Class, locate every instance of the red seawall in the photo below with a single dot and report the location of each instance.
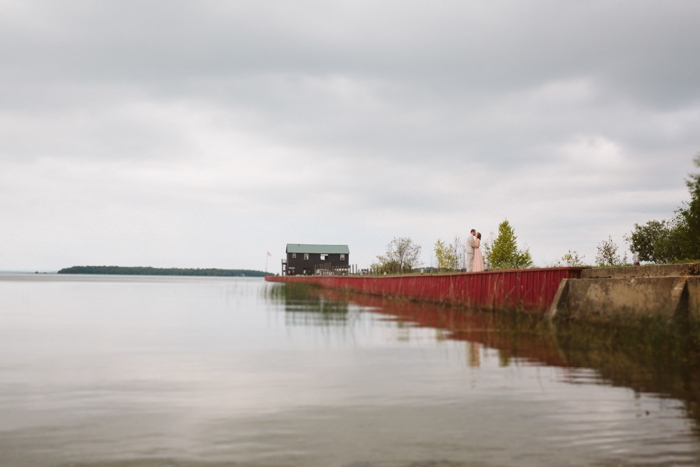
(526, 289)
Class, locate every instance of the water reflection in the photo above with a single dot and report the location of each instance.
(310, 306)
(473, 355)
(227, 371)
(649, 357)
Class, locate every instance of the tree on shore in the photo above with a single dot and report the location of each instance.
(402, 255)
(674, 240)
(689, 228)
(572, 258)
(607, 254)
(446, 254)
(503, 253)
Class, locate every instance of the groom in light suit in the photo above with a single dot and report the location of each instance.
(471, 242)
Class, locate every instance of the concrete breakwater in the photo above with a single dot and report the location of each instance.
(667, 291)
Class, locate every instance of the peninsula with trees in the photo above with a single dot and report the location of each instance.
(149, 271)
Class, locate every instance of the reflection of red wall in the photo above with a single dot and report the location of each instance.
(619, 358)
(493, 330)
(528, 289)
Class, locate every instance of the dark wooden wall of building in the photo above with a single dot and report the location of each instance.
(301, 265)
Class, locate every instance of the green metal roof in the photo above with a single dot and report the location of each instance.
(317, 249)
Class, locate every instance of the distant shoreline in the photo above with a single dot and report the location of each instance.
(149, 271)
(8, 272)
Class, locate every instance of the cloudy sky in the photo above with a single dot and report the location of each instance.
(205, 134)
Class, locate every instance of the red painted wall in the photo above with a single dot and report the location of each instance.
(526, 289)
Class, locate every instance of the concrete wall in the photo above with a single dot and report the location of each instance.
(694, 298)
(652, 270)
(592, 299)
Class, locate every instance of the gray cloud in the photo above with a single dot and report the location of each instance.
(194, 128)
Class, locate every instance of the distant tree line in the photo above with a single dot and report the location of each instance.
(149, 271)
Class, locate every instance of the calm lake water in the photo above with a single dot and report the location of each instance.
(119, 370)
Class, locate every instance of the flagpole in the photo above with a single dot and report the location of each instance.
(266, 260)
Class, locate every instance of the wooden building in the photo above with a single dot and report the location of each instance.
(307, 260)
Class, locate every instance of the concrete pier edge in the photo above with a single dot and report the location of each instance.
(669, 292)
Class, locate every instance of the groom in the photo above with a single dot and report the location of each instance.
(471, 242)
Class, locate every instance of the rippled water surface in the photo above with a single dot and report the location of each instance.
(220, 371)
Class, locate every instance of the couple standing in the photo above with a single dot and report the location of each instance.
(475, 260)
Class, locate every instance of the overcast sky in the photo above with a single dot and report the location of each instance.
(205, 134)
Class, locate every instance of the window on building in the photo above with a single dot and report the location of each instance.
(323, 257)
(294, 255)
(342, 257)
(306, 256)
